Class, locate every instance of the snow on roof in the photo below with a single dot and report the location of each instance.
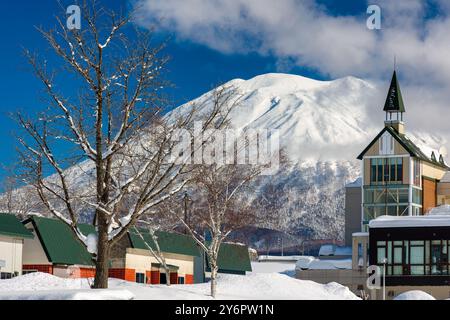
(311, 263)
(445, 178)
(333, 250)
(355, 184)
(327, 250)
(360, 234)
(432, 220)
(278, 258)
(443, 210)
(423, 140)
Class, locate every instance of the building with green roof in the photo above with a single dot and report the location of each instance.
(184, 251)
(56, 250)
(12, 236)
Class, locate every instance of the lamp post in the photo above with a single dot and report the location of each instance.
(384, 278)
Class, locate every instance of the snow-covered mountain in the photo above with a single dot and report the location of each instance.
(323, 126)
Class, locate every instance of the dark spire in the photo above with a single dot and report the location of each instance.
(394, 100)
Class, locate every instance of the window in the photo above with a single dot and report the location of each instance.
(385, 200)
(140, 278)
(180, 280)
(415, 258)
(381, 255)
(417, 196)
(416, 173)
(162, 278)
(399, 169)
(386, 170)
(386, 144)
(6, 275)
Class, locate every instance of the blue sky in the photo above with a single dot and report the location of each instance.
(248, 46)
(193, 68)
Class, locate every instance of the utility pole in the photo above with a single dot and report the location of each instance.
(186, 212)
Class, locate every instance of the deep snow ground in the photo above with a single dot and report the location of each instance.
(263, 284)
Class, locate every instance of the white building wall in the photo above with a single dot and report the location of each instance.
(33, 252)
(141, 261)
(11, 253)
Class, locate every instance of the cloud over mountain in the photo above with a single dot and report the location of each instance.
(306, 33)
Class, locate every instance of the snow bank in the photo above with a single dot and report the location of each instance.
(68, 295)
(283, 267)
(42, 281)
(440, 211)
(42, 286)
(255, 286)
(274, 286)
(311, 263)
(414, 295)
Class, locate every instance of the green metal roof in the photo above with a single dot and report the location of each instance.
(234, 257)
(59, 242)
(394, 100)
(406, 143)
(11, 226)
(168, 242)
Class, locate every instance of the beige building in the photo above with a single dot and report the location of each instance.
(391, 220)
(402, 176)
(12, 236)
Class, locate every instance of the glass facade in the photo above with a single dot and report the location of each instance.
(387, 193)
(387, 200)
(386, 171)
(414, 258)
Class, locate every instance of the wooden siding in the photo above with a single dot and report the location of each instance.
(432, 171)
(429, 194)
(375, 149)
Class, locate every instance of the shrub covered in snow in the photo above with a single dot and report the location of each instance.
(414, 295)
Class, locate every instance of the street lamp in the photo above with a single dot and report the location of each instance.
(384, 278)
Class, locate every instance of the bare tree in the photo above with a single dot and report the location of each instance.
(221, 205)
(113, 127)
(155, 250)
(17, 199)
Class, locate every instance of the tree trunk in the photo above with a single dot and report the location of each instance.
(214, 270)
(167, 275)
(102, 263)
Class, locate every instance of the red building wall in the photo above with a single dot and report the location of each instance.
(189, 279)
(154, 277)
(173, 278)
(40, 268)
(87, 272)
(124, 274)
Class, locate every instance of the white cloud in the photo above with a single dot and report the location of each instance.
(304, 33)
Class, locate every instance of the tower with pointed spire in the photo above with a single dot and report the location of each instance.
(394, 106)
(401, 175)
